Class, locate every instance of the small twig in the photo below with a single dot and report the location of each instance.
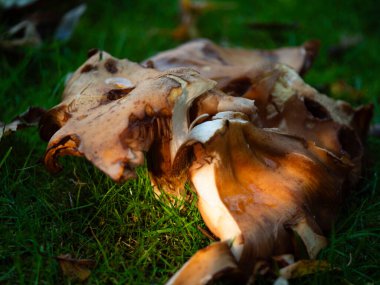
(207, 234)
(273, 26)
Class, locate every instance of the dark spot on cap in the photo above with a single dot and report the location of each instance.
(115, 94)
(92, 52)
(149, 64)
(111, 65)
(87, 68)
(316, 109)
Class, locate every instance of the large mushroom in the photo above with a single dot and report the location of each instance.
(264, 173)
(259, 187)
(115, 111)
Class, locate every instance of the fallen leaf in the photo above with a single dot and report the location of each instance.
(305, 267)
(341, 89)
(30, 118)
(30, 36)
(29, 23)
(75, 269)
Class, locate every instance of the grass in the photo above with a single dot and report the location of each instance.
(135, 238)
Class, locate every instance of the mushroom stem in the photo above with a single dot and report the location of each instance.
(208, 264)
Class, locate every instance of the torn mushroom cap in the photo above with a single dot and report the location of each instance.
(232, 68)
(113, 110)
(255, 184)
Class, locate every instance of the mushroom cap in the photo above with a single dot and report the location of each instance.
(114, 110)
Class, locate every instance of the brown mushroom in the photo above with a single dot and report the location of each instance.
(114, 112)
(258, 187)
(262, 182)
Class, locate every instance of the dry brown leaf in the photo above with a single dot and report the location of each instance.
(75, 269)
(341, 89)
(29, 118)
(305, 267)
(31, 22)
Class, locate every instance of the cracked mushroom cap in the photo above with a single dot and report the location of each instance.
(114, 110)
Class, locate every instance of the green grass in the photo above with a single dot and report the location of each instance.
(135, 238)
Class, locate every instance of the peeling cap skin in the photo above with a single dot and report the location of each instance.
(232, 68)
(115, 111)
